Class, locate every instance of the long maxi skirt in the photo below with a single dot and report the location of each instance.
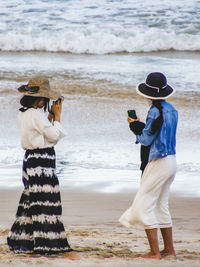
(38, 227)
(149, 209)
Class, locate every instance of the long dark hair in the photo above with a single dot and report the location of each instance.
(157, 124)
(28, 102)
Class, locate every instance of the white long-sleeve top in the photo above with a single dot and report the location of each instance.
(37, 131)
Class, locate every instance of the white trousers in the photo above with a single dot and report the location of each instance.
(150, 206)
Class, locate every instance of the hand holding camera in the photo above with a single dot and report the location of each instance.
(59, 100)
(56, 108)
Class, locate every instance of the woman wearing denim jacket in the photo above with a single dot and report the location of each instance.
(149, 210)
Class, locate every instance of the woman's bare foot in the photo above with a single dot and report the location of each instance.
(71, 255)
(150, 256)
(166, 252)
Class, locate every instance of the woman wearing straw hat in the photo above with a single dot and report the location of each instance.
(149, 210)
(38, 228)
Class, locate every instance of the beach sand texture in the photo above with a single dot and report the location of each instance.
(91, 221)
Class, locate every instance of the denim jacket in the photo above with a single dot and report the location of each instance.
(163, 142)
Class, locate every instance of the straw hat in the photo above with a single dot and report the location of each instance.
(155, 87)
(39, 87)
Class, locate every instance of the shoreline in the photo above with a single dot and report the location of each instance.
(91, 222)
(167, 53)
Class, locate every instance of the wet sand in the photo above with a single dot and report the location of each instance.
(91, 221)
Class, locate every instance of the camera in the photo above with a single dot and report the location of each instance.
(59, 99)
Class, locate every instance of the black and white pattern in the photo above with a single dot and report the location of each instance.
(38, 227)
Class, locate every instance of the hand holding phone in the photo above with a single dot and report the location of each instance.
(132, 114)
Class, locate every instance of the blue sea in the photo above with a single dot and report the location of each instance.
(96, 52)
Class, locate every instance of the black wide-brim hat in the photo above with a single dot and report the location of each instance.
(155, 87)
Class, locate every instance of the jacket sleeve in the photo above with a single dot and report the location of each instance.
(136, 127)
(146, 137)
(52, 132)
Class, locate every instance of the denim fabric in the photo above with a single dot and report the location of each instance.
(162, 143)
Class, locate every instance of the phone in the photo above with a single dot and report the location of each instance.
(132, 114)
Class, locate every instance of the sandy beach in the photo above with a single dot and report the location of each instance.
(91, 221)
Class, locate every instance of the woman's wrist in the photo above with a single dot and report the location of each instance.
(57, 117)
(50, 116)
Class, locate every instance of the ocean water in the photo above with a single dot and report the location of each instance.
(95, 52)
(99, 27)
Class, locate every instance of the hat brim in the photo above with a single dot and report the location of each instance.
(151, 93)
(52, 94)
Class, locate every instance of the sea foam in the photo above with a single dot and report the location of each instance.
(100, 42)
(99, 27)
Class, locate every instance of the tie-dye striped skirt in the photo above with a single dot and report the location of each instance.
(38, 227)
